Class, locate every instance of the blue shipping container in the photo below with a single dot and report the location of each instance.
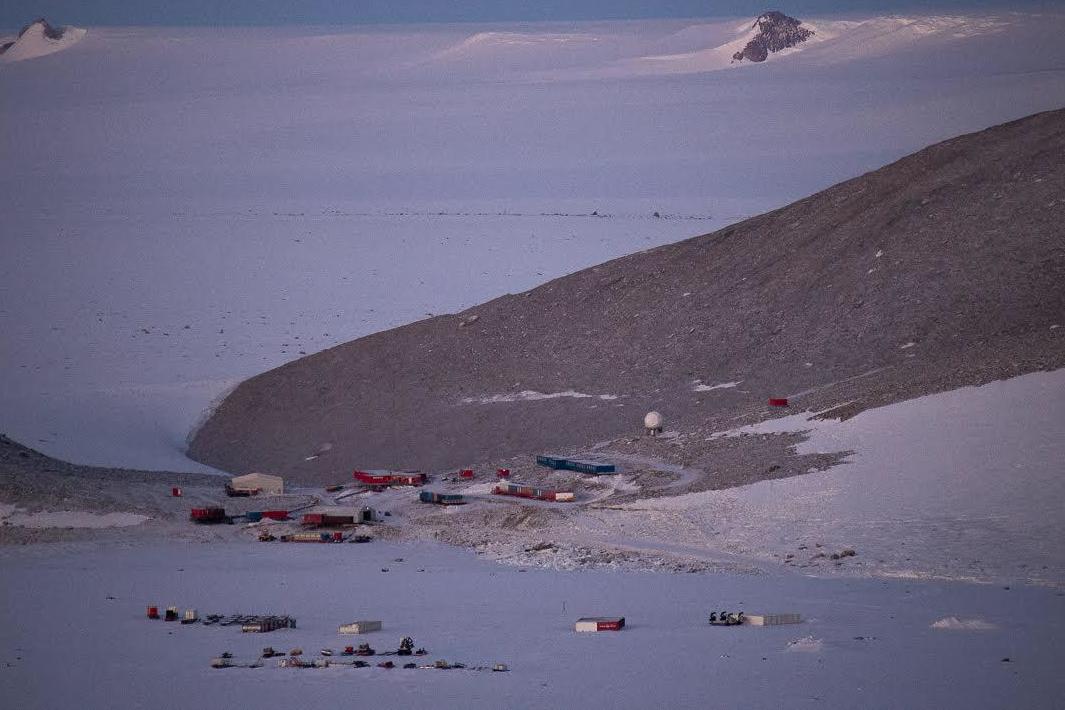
(578, 465)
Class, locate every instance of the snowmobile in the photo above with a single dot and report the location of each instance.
(406, 647)
(364, 650)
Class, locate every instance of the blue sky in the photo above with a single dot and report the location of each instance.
(15, 13)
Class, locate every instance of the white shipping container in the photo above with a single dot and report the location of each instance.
(564, 496)
(600, 623)
(360, 627)
(772, 619)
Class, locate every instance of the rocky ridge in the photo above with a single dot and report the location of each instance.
(776, 31)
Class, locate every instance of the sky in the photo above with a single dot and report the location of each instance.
(15, 13)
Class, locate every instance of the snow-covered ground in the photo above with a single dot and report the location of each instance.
(185, 207)
(78, 612)
(12, 515)
(964, 484)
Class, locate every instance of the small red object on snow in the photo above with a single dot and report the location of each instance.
(466, 473)
(175, 492)
(502, 473)
(778, 401)
(153, 612)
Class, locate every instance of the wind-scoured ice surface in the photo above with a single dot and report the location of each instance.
(184, 208)
(77, 613)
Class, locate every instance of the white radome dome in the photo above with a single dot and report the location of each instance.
(652, 420)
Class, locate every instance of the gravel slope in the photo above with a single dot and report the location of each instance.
(941, 270)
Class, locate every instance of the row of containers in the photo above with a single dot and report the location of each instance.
(335, 536)
(441, 498)
(383, 479)
(310, 520)
(513, 489)
(333, 520)
(578, 465)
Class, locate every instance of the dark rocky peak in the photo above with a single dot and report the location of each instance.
(49, 31)
(776, 31)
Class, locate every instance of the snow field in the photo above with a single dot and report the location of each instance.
(963, 484)
(865, 643)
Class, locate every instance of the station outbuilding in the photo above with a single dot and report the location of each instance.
(261, 482)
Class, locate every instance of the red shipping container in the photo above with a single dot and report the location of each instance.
(153, 612)
(778, 401)
(276, 514)
(372, 479)
(207, 515)
(175, 492)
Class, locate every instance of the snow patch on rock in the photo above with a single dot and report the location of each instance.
(699, 387)
(534, 396)
(953, 623)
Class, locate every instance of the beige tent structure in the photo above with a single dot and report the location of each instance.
(360, 627)
(262, 482)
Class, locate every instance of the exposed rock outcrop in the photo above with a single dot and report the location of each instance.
(776, 31)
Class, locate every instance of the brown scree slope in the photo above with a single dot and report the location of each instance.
(957, 249)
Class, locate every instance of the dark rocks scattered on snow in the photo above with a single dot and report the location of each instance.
(776, 31)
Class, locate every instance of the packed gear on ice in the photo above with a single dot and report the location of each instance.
(364, 650)
(406, 646)
(726, 618)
